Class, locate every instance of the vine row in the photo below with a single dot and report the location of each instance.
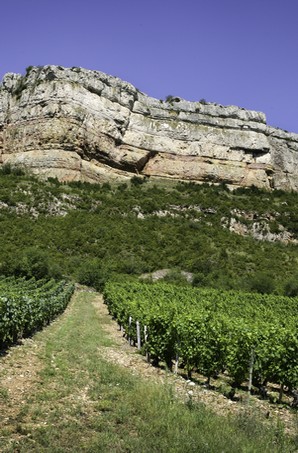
(28, 305)
(251, 337)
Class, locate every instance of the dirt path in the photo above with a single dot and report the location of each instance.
(19, 375)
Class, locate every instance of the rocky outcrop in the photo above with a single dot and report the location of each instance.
(77, 124)
(264, 227)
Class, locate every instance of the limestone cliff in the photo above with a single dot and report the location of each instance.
(77, 124)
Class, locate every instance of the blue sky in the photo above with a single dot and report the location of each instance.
(225, 51)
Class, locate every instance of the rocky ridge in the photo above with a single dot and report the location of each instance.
(78, 124)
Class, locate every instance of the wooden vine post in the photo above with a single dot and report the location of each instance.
(251, 367)
(146, 338)
(129, 329)
(177, 358)
(138, 335)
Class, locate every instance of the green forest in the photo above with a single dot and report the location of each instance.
(89, 233)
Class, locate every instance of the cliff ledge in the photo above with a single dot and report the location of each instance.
(77, 124)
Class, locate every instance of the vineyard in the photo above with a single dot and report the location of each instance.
(251, 337)
(28, 305)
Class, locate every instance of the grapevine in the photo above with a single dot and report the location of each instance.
(212, 331)
(28, 305)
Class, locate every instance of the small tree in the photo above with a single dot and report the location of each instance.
(262, 284)
(291, 287)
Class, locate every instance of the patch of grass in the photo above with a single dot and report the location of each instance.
(4, 394)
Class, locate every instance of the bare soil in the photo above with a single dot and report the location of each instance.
(20, 366)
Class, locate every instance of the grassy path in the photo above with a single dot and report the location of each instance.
(58, 393)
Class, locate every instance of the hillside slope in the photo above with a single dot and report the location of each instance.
(244, 239)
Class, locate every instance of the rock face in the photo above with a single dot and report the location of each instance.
(76, 124)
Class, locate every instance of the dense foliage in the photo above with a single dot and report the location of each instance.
(28, 305)
(212, 331)
(89, 232)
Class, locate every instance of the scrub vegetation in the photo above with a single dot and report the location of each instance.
(91, 232)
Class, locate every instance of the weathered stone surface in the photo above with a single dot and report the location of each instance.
(258, 228)
(77, 124)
